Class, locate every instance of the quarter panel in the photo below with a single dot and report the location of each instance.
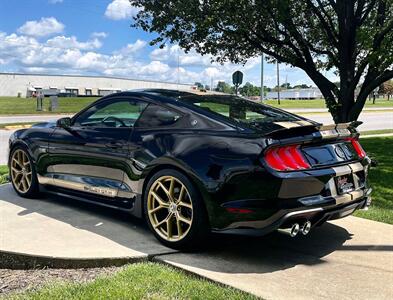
(215, 162)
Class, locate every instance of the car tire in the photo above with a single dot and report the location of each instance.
(23, 173)
(188, 223)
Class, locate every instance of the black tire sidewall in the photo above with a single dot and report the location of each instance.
(33, 190)
(199, 226)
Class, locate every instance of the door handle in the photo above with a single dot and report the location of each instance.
(114, 145)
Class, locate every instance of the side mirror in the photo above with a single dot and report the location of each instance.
(64, 122)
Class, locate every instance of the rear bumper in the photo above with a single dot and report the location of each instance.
(344, 206)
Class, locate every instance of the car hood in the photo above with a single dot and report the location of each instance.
(48, 124)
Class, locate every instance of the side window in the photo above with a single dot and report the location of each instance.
(157, 116)
(120, 113)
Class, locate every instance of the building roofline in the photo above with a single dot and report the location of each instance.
(94, 76)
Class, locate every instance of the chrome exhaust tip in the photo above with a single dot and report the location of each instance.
(306, 228)
(291, 231)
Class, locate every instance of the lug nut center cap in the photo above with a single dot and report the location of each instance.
(172, 207)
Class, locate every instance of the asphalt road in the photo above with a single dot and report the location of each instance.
(29, 118)
(372, 121)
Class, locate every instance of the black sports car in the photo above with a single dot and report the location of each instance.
(193, 163)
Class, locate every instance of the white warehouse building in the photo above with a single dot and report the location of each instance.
(310, 93)
(25, 85)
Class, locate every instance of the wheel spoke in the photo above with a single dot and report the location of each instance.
(179, 229)
(169, 227)
(154, 210)
(163, 221)
(159, 200)
(16, 170)
(171, 188)
(185, 204)
(17, 162)
(181, 194)
(162, 186)
(28, 180)
(24, 184)
(18, 175)
(183, 219)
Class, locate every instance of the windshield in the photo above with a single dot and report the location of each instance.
(240, 110)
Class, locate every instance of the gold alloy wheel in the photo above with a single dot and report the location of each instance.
(169, 208)
(21, 171)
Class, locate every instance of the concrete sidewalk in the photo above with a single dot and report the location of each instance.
(62, 228)
(350, 258)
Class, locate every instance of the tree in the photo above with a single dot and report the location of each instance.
(386, 88)
(198, 85)
(302, 86)
(286, 86)
(353, 38)
(249, 89)
(223, 87)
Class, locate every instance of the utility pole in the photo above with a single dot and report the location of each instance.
(278, 84)
(262, 87)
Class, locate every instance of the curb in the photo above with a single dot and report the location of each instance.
(198, 276)
(23, 261)
(13, 127)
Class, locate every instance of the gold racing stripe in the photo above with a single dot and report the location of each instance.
(287, 124)
(304, 123)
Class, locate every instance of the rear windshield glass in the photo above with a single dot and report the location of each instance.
(236, 109)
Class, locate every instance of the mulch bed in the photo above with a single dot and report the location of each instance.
(23, 280)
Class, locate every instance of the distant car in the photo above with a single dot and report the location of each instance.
(190, 164)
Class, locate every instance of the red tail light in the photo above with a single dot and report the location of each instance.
(286, 158)
(358, 148)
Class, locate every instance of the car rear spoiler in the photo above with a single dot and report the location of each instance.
(308, 131)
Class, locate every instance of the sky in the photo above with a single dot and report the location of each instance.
(94, 37)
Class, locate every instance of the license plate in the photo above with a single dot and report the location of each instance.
(345, 184)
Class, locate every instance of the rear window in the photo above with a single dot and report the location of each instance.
(239, 110)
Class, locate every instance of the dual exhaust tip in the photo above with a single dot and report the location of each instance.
(296, 228)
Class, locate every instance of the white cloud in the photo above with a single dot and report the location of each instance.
(55, 1)
(99, 35)
(132, 48)
(120, 9)
(72, 42)
(173, 53)
(66, 54)
(43, 27)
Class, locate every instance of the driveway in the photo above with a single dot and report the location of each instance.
(350, 258)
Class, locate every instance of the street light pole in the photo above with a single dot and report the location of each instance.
(262, 87)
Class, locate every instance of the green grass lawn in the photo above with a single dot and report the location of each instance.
(137, 281)
(3, 174)
(379, 131)
(381, 179)
(15, 106)
(20, 106)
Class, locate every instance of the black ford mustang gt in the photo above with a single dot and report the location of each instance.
(190, 164)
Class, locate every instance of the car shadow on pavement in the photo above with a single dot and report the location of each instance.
(221, 253)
